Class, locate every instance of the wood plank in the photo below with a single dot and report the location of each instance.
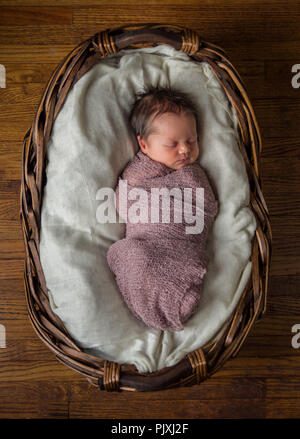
(82, 3)
(11, 249)
(38, 399)
(276, 116)
(174, 409)
(261, 367)
(46, 34)
(34, 54)
(281, 266)
(20, 97)
(24, 351)
(209, 30)
(11, 189)
(262, 344)
(16, 130)
(10, 229)
(11, 268)
(225, 12)
(280, 148)
(285, 287)
(10, 168)
(45, 371)
(31, 73)
(9, 208)
(32, 409)
(86, 3)
(268, 51)
(31, 16)
(283, 389)
(282, 408)
(13, 304)
(285, 304)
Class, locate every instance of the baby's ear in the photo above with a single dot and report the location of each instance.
(141, 142)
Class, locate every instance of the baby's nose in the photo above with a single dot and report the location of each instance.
(184, 147)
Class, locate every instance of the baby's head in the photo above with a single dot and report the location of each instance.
(166, 127)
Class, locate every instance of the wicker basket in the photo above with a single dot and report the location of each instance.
(202, 363)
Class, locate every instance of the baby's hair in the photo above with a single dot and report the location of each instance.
(155, 101)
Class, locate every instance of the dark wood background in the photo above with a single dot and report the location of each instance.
(262, 39)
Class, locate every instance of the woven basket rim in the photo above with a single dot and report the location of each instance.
(205, 361)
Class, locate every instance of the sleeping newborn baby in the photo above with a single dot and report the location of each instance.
(160, 264)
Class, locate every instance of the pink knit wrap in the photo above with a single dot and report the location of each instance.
(159, 267)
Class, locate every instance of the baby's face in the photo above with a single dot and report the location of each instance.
(174, 140)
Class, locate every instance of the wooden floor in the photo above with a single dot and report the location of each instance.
(262, 39)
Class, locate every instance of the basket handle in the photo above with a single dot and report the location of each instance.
(151, 34)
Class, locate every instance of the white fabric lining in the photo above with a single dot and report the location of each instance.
(90, 145)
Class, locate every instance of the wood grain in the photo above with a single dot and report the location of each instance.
(28, 16)
(262, 39)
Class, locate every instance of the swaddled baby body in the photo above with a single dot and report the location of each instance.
(168, 204)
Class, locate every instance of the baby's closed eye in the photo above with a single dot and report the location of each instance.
(191, 142)
(170, 146)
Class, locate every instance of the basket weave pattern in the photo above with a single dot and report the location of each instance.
(202, 363)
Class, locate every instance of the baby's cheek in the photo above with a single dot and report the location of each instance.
(169, 155)
(196, 153)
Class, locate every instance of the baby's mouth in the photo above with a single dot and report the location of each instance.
(182, 160)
